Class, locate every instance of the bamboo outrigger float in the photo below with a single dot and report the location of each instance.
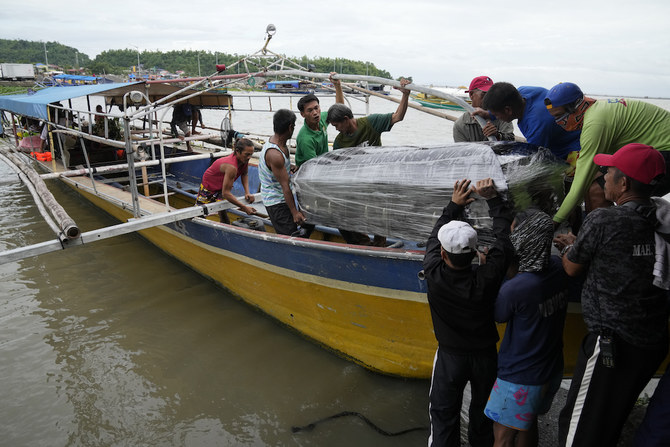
(367, 304)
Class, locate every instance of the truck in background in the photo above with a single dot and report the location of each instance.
(17, 72)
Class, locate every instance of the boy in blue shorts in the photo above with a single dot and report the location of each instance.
(530, 360)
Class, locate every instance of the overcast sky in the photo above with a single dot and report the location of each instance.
(609, 47)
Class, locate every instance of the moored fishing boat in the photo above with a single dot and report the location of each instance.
(366, 303)
(294, 86)
(436, 102)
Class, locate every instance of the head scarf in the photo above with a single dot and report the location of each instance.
(574, 120)
(532, 238)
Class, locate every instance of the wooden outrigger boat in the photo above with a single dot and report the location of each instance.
(367, 304)
(437, 102)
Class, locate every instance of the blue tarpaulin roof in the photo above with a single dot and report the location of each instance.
(75, 77)
(35, 105)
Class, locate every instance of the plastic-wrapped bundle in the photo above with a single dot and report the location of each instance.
(400, 191)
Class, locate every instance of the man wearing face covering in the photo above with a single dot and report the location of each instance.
(530, 360)
(606, 125)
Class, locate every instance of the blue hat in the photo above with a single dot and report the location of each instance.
(562, 94)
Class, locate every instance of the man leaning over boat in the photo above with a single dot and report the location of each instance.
(217, 181)
(605, 125)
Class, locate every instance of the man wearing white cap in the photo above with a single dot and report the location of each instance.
(461, 297)
(466, 128)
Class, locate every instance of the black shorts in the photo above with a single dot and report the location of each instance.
(282, 219)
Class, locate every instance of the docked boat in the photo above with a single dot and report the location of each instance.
(437, 102)
(367, 304)
(294, 86)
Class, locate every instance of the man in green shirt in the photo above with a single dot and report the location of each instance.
(365, 131)
(607, 125)
(312, 139)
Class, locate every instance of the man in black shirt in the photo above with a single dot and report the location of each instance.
(624, 312)
(461, 298)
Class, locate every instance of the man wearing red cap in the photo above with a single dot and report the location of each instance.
(625, 313)
(466, 128)
(606, 125)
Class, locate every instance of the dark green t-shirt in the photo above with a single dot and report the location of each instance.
(368, 133)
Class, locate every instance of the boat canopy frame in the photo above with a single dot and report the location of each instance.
(140, 105)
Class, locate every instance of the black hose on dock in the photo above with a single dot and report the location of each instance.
(371, 424)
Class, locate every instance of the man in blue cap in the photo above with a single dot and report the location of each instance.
(606, 125)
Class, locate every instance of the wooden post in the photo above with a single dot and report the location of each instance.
(51, 141)
(145, 181)
(16, 134)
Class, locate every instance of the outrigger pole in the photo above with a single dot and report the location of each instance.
(115, 230)
(64, 227)
(376, 80)
(268, 69)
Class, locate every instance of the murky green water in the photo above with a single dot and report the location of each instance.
(117, 344)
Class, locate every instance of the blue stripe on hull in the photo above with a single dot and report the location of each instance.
(314, 259)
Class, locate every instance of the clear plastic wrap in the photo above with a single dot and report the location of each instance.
(400, 191)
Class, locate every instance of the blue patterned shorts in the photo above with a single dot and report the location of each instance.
(517, 406)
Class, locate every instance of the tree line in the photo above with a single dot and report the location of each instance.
(193, 63)
(30, 52)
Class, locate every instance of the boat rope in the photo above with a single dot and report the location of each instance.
(310, 427)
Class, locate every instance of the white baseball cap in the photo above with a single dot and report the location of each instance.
(458, 237)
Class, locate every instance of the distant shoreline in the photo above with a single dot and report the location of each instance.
(596, 95)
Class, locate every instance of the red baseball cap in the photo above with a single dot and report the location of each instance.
(482, 83)
(638, 161)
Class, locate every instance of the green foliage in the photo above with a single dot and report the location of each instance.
(327, 64)
(121, 61)
(11, 90)
(29, 52)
